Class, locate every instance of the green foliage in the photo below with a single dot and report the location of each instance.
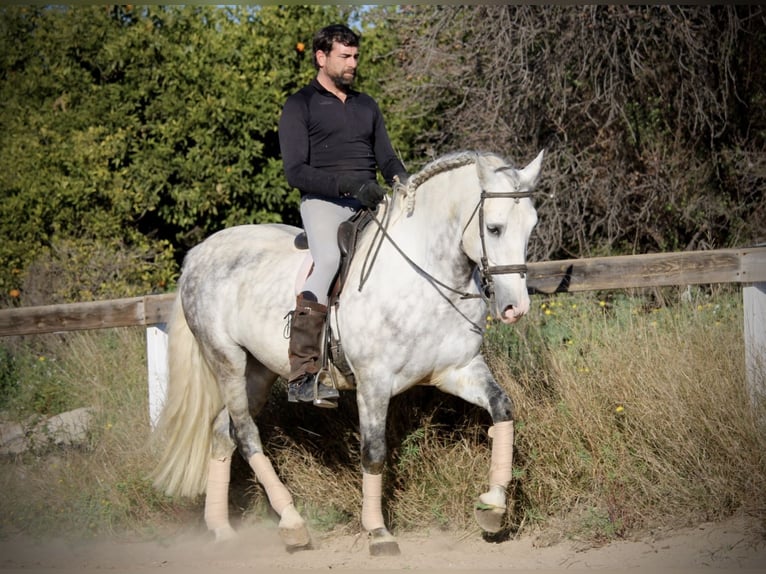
(92, 269)
(143, 130)
(380, 64)
(651, 116)
(132, 133)
(410, 449)
(323, 517)
(612, 395)
(33, 384)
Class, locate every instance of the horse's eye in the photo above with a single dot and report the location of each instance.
(493, 229)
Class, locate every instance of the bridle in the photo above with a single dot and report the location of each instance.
(486, 271)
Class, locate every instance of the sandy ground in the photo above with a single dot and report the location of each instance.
(736, 544)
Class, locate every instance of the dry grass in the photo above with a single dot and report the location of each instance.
(629, 416)
(642, 418)
(100, 487)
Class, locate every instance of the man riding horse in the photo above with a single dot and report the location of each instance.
(332, 140)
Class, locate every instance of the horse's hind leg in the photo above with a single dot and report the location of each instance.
(234, 427)
(219, 470)
(242, 403)
(292, 527)
(475, 384)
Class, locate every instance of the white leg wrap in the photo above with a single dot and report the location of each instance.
(279, 497)
(217, 497)
(290, 518)
(372, 496)
(500, 467)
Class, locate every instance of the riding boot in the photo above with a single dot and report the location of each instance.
(304, 352)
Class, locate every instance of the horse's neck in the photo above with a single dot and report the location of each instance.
(431, 233)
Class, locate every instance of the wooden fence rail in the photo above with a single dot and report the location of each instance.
(146, 310)
(746, 266)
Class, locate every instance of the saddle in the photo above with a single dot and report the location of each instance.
(348, 234)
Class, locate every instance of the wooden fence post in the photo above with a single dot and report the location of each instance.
(754, 297)
(157, 365)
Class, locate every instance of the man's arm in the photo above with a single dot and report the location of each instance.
(294, 146)
(388, 162)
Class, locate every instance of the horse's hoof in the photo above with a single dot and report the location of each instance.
(490, 518)
(382, 543)
(293, 531)
(296, 538)
(224, 533)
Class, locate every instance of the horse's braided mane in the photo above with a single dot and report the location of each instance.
(442, 164)
(437, 166)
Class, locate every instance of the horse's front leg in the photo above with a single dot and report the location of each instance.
(475, 384)
(491, 507)
(373, 411)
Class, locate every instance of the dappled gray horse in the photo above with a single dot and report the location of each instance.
(449, 244)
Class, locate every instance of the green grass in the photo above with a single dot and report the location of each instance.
(632, 412)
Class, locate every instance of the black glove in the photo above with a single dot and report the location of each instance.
(368, 193)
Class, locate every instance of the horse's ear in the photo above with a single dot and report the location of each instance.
(529, 175)
(483, 170)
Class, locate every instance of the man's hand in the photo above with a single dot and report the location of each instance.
(370, 194)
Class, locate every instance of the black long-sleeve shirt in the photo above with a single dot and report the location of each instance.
(322, 138)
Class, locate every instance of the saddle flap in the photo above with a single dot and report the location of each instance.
(346, 238)
(348, 233)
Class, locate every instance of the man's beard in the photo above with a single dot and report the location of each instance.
(343, 81)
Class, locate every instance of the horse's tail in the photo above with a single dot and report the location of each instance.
(186, 422)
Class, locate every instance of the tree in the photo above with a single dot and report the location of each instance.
(652, 116)
(138, 132)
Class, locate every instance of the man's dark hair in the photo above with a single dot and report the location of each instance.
(324, 39)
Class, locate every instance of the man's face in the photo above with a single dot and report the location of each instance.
(339, 64)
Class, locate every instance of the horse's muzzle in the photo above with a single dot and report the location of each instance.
(512, 314)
